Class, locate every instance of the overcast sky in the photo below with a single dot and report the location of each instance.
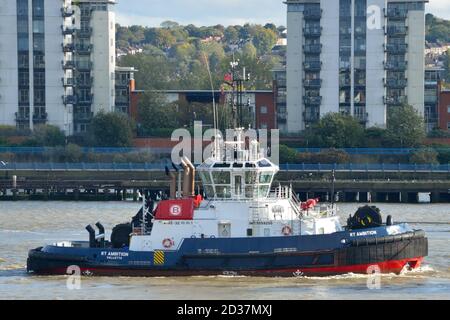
(225, 12)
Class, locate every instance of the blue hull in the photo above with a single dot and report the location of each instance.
(341, 252)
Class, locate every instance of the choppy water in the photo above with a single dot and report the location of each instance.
(26, 225)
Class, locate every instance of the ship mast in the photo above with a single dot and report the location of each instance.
(238, 78)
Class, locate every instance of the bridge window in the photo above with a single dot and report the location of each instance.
(209, 191)
(223, 192)
(251, 177)
(265, 178)
(263, 191)
(221, 178)
(206, 178)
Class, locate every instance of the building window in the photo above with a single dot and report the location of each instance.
(24, 96)
(448, 125)
(448, 109)
(264, 109)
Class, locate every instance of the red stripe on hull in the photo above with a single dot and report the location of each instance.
(394, 266)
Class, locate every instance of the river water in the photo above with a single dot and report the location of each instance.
(26, 225)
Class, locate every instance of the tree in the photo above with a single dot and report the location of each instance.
(405, 127)
(112, 130)
(155, 113)
(264, 39)
(169, 24)
(48, 136)
(424, 156)
(336, 130)
(231, 35)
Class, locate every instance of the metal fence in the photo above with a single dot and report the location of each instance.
(372, 151)
(352, 151)
(348, 167)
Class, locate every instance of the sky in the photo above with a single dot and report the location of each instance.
(225, 12)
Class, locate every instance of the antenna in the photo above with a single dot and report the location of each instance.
(215, 115)
(333, 181)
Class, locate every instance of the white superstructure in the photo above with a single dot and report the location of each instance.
(239, 202)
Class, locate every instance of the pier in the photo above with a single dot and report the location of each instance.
(123, 182)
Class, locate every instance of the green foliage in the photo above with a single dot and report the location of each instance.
(424, 156)
(112, 130)
(335, 130)
(405, 127)
(287, 155)
(438, 30)
(155, 113)
(264, 39)
(331, 156)
(48, 136)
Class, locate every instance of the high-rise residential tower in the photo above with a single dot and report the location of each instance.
(57, 62)
(357, 57)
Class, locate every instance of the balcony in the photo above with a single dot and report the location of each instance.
(67, 31)
(67, 82)
(396, 65)
(68, 47)
(80, 82)
(21, 118)
(122, 100)
(395, 100)
(83, 48)
(308, 100)
(40, 118)
(362, 116)
(87, 99)
(312, 83)
(312, 32)
(312, 48)
(281, 83)
(396, 13)
(69, 64)
(83, 65)
(67, 13)
(396, 30)
(312, 14)
(83, 116)
(312, 66)
(281, 100)
(84, 33)
(69, 99)
(311, 117)
(396, 83)
(396, 48)
(431, 99)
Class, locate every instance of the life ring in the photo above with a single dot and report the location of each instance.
(287, 231)
(168, 243)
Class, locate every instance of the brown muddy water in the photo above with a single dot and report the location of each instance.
(27, 225)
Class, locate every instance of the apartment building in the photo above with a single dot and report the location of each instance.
(356, 57)
(57, 62)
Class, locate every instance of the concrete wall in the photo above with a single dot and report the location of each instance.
(375, 56)
(294, 74)
(103, 57)
(57, 112)
(416, 60)
(8, 62)
(330, 57)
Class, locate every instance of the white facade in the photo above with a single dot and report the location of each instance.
(8, 62)
(39, 80)
(356, 73)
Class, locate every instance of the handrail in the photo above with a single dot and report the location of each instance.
(160, 166)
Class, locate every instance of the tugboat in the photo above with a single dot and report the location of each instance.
(239, 225)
